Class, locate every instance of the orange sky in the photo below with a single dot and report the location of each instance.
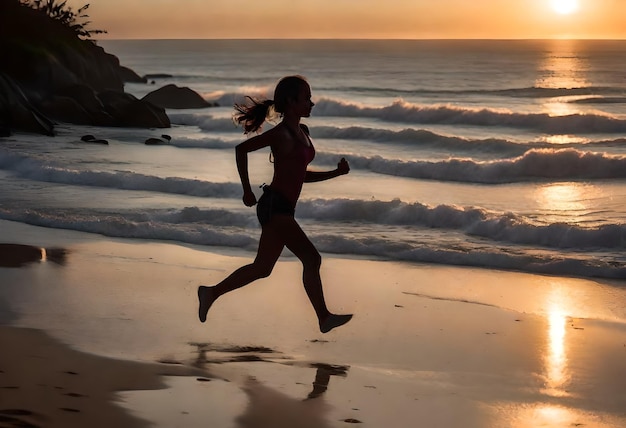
(407, 19)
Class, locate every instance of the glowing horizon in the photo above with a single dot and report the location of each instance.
(367, 19)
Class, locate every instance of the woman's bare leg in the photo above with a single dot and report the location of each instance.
(280, 231)
(298, 243)
(270, 247)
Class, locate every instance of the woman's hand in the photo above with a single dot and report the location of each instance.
(314, 176)
(249, 199)
(343, 167)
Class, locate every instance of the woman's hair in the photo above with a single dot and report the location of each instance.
(252, 115)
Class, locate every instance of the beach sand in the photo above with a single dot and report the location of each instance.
(44, 383)
(108, 335)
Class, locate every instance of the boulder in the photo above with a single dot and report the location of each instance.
(66, 109)
(83, 95)
(130, 76)
(92, 66)
(152, 141)
(17, 112)
(142, 114)
(89, 102)
(127, 110)
(175, 97)
(92, 139)
(113, 100)
(41, 74)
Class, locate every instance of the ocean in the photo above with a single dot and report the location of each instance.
(493, 154)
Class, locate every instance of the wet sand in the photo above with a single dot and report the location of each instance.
(44, 383)
(89, 341)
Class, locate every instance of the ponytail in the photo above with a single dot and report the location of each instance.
(252, 116)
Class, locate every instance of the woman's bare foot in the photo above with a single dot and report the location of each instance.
(206, 297)
(333, 321)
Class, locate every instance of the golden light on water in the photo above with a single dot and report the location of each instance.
(565, 139)
(562, 68)
(565, 202)
(559, 107)
(562, 196)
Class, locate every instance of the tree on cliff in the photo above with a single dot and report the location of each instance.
(59, 11)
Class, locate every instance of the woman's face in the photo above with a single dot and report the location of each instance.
(302, 104)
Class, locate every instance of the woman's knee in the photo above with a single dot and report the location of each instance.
(263, 269)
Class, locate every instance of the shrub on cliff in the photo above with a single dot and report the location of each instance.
(65, 15)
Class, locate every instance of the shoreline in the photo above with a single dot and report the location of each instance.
(449, 346)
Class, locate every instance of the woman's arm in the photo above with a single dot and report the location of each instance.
(314, 176)
(241, 158)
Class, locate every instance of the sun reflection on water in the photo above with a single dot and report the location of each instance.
(562, 197)
(559, 107)
(565, 139)
(567, 202)
(563, 68)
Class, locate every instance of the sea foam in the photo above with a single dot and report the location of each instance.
(404, 112)
(159, 227)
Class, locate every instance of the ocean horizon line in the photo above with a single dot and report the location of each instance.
(538, 39)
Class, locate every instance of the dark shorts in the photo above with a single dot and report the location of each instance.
(270, 203)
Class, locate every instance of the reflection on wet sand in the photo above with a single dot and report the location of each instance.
(228, 354)
(271, 408)
(556, 373)
(322, 378)
(556, 354)
(267, 406)
(556, 357)
(18, 255)
(548, 415)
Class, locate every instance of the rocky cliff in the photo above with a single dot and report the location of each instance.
(49, 74)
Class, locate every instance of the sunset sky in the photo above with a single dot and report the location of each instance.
(406, 19)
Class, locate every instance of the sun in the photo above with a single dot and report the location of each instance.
(564, 7)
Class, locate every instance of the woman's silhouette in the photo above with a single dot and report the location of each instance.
(292, 151)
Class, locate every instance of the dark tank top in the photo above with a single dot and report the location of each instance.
(290, 170)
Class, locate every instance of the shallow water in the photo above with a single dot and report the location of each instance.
(490, 154)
